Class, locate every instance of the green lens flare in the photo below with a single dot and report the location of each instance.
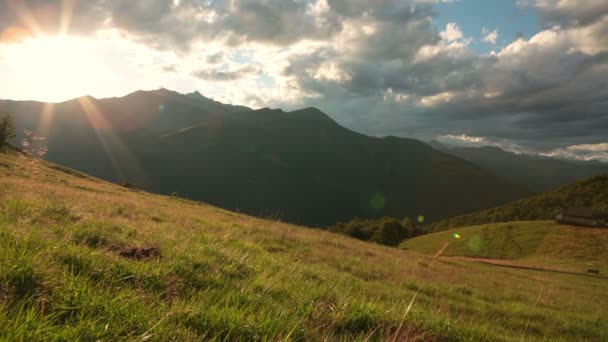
(456, 236)
(377, 202)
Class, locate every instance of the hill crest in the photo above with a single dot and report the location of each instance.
(591, 192)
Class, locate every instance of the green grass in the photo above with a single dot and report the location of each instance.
(225, 276)
(541, 242)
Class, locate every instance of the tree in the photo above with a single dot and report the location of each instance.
(7, 129)
(389, 233)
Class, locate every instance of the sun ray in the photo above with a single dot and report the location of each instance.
(67, 10)
(123, 161)
(46, 117)
(26, 16)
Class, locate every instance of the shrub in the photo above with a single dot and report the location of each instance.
(7, 129)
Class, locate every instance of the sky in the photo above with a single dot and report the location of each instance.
(530, 76)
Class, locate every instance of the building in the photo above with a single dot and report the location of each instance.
(578, 217)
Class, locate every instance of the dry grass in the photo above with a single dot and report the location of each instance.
(228, 276)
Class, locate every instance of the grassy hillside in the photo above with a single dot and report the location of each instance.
(591, 192)
(539, 242)
(300, 166)
(66, 274)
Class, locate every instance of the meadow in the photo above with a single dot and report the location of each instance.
(541, 243)
(225, 276)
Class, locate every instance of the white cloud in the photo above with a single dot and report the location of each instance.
(464, 140)
(451, 33)
(330, 71)
(490, 36)
(437, 99)
(583, 152)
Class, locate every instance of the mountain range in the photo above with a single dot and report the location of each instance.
(300, 166)
(536, 173)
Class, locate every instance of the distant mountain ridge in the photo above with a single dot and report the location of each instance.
(591, 192)
(300, 166)
(532, 172)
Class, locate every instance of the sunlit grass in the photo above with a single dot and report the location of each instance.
(226, 276)
(540, 243)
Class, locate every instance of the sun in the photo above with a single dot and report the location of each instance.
(56, 68)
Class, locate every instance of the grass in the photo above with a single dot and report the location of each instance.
(540, 243)
(225, 276)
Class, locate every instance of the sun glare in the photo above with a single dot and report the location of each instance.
(57, 67)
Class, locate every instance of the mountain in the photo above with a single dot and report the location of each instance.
(86, 260)
(535, 173)
(300, 166)
(591, 192)
(98, 136)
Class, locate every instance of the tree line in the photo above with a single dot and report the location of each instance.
(385, 230)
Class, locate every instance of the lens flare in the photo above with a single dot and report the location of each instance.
(120, 156)
(377, 201)
(420, 218)
(456, 236)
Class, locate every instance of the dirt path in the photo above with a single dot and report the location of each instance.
(512, 264)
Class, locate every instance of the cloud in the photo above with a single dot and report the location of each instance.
(451, 33)
(568, 12)
(490, 36)
(585, 152)
(20, 19)
(228, 75)
(380, 67)
(463, 140)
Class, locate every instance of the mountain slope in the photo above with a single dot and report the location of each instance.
(539, 243)
(97, 136)
(66, 273)
(534, 173)
(591, 192)
(300, 166)
(305, 168)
